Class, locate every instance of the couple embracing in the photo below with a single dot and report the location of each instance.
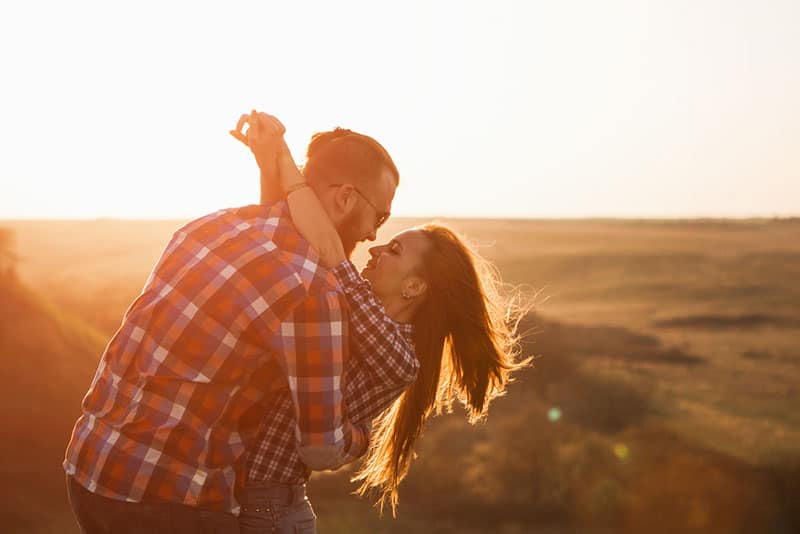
(257, 353)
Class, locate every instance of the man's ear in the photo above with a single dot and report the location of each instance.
(344, 199)
(415, 287)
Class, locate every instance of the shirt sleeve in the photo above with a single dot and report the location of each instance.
(365, 398)
(384, 348)
(312, 346)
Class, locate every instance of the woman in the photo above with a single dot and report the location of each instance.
(464, 331)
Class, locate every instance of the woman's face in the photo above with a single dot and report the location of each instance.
(392, 265)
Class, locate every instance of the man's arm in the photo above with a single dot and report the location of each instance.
(312, 346)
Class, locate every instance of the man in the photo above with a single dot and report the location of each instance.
(237, 316)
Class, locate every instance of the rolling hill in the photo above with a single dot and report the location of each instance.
(48, 359)
(664, 398)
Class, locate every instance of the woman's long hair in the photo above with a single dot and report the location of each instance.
(467, 346)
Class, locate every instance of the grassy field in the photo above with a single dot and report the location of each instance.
(664, 397)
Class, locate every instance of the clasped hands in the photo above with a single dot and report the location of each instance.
(264, 136)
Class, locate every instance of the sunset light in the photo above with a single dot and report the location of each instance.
(518, 109)
(539, 272)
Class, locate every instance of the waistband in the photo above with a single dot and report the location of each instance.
(259, 496)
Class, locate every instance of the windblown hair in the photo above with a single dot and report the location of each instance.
(468, 347)
(341, 155)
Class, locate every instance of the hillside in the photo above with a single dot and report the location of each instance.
(48, 359)
(664, 398)
(568, 448)
(523, 466)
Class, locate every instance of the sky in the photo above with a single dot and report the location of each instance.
(637, 108)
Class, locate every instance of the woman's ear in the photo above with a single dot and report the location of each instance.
(415, 287)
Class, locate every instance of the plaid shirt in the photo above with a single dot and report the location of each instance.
(235, 313)
(382, 364)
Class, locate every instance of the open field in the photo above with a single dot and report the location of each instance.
(669, 349)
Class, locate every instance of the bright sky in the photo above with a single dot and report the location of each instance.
(516, 109)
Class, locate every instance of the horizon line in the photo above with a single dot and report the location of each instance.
(595, 217)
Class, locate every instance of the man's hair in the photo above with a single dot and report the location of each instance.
(344, 156)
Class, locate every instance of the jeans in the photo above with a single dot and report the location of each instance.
(100, 515)
(276, 509)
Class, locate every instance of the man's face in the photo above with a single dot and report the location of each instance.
(372, 210)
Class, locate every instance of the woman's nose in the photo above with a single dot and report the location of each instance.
(377, 250)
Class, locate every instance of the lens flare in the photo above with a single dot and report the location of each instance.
(621, 451)
(554, 414)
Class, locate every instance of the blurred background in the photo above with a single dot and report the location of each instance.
(632, 167)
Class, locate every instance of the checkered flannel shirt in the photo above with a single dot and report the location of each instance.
(235, 311)
(382, 364)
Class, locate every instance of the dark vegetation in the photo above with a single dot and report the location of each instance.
(749, 320)
(47, 360)
(607, 465)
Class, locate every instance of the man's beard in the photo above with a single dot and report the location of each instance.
(348, 234)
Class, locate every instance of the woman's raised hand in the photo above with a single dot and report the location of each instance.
(264, 137)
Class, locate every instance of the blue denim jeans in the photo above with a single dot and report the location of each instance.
(276, 509)
(99, 515)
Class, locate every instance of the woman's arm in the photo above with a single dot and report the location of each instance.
(365, 395)
(307, 212)
(263, 144)
(280, 174)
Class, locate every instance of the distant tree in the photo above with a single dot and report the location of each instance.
(8, 257)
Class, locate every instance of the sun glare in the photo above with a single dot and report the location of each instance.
(511, 109)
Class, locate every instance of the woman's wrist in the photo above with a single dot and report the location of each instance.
(291, 177)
